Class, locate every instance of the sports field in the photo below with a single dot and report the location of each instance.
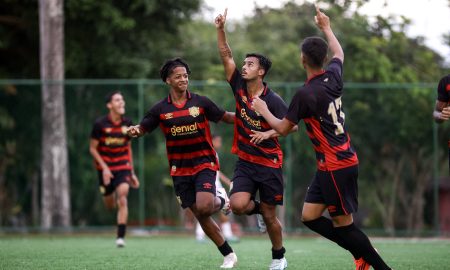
(183, 252)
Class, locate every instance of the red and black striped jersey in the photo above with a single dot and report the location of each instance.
(318, 102)
(444, 92)
(187, 132)
(113, 146)
(268, 152)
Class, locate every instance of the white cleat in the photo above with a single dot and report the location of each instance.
(220, 192)
(261, 224)
(120, 242)
(229, 261)
(278, 264)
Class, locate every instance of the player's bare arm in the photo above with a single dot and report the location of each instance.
(282, 126)
(441, 112)
(106, 172)
(228, 117)
(224, 48)
(135, 131)
(323, 22)
(134, 181)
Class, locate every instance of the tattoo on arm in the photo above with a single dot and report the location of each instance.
(225, 52)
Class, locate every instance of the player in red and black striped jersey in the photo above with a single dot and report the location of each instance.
(255, 143)
(442, 109)
(334, 186)
(110, 147)
(184, 118)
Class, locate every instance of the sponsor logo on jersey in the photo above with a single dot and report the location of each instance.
(114, 141)
(249, 120)
(184, 130)
(194, 111)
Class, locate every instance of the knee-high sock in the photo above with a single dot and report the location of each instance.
(324, 227)
(357, 240)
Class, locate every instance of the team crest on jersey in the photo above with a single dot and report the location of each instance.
(194, 111)
(168, 115)
(108, 130)
(174, 168)
(124, 129)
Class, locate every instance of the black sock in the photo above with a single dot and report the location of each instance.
(225, 249)
(324, 227)
(256, 209)
(355, 238)
(121, 229)
(278, 254)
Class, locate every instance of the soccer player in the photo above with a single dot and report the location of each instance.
(184, 119)
(334, 187)
(110, 147)
(256, 144)
(225, 223)
(442, 109)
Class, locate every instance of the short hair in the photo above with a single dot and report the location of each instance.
(263, 61)
(314, 51)
(170, 65)
(109, 96)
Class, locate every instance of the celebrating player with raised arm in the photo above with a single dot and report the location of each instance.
(184, 119)
(255, 143)
(334, 187)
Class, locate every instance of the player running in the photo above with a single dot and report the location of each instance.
(184, 119)
(110, 147)
(334, 187)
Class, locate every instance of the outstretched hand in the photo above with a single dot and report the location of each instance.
(221, 19)
(134, 131)
(322, 21)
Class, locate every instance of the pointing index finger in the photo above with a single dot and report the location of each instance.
(317, 8)
(225, 13)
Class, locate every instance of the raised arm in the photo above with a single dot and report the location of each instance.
(224, 48)
(323, 22)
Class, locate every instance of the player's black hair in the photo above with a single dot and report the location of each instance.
(169, 66)
(264, 62)
(315, 51)
(109, 96)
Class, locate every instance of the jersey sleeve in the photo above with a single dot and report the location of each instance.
(335, 67)
(151, 119)
(96, 132)
(299, 107)
(236, 81)
(444, 89)
(278, 107)
(212, 111)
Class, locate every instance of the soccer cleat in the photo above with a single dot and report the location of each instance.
(221, 193)
(229, 261)
(278, 264)
(261, 224)
(120, 242)
(361, 264)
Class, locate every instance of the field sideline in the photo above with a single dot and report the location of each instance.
(183, 252)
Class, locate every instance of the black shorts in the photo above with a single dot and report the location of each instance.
(186, 187)
(251, 177)
(119, 178)
(338, 190)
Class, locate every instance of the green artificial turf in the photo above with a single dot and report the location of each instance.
(183, 252)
